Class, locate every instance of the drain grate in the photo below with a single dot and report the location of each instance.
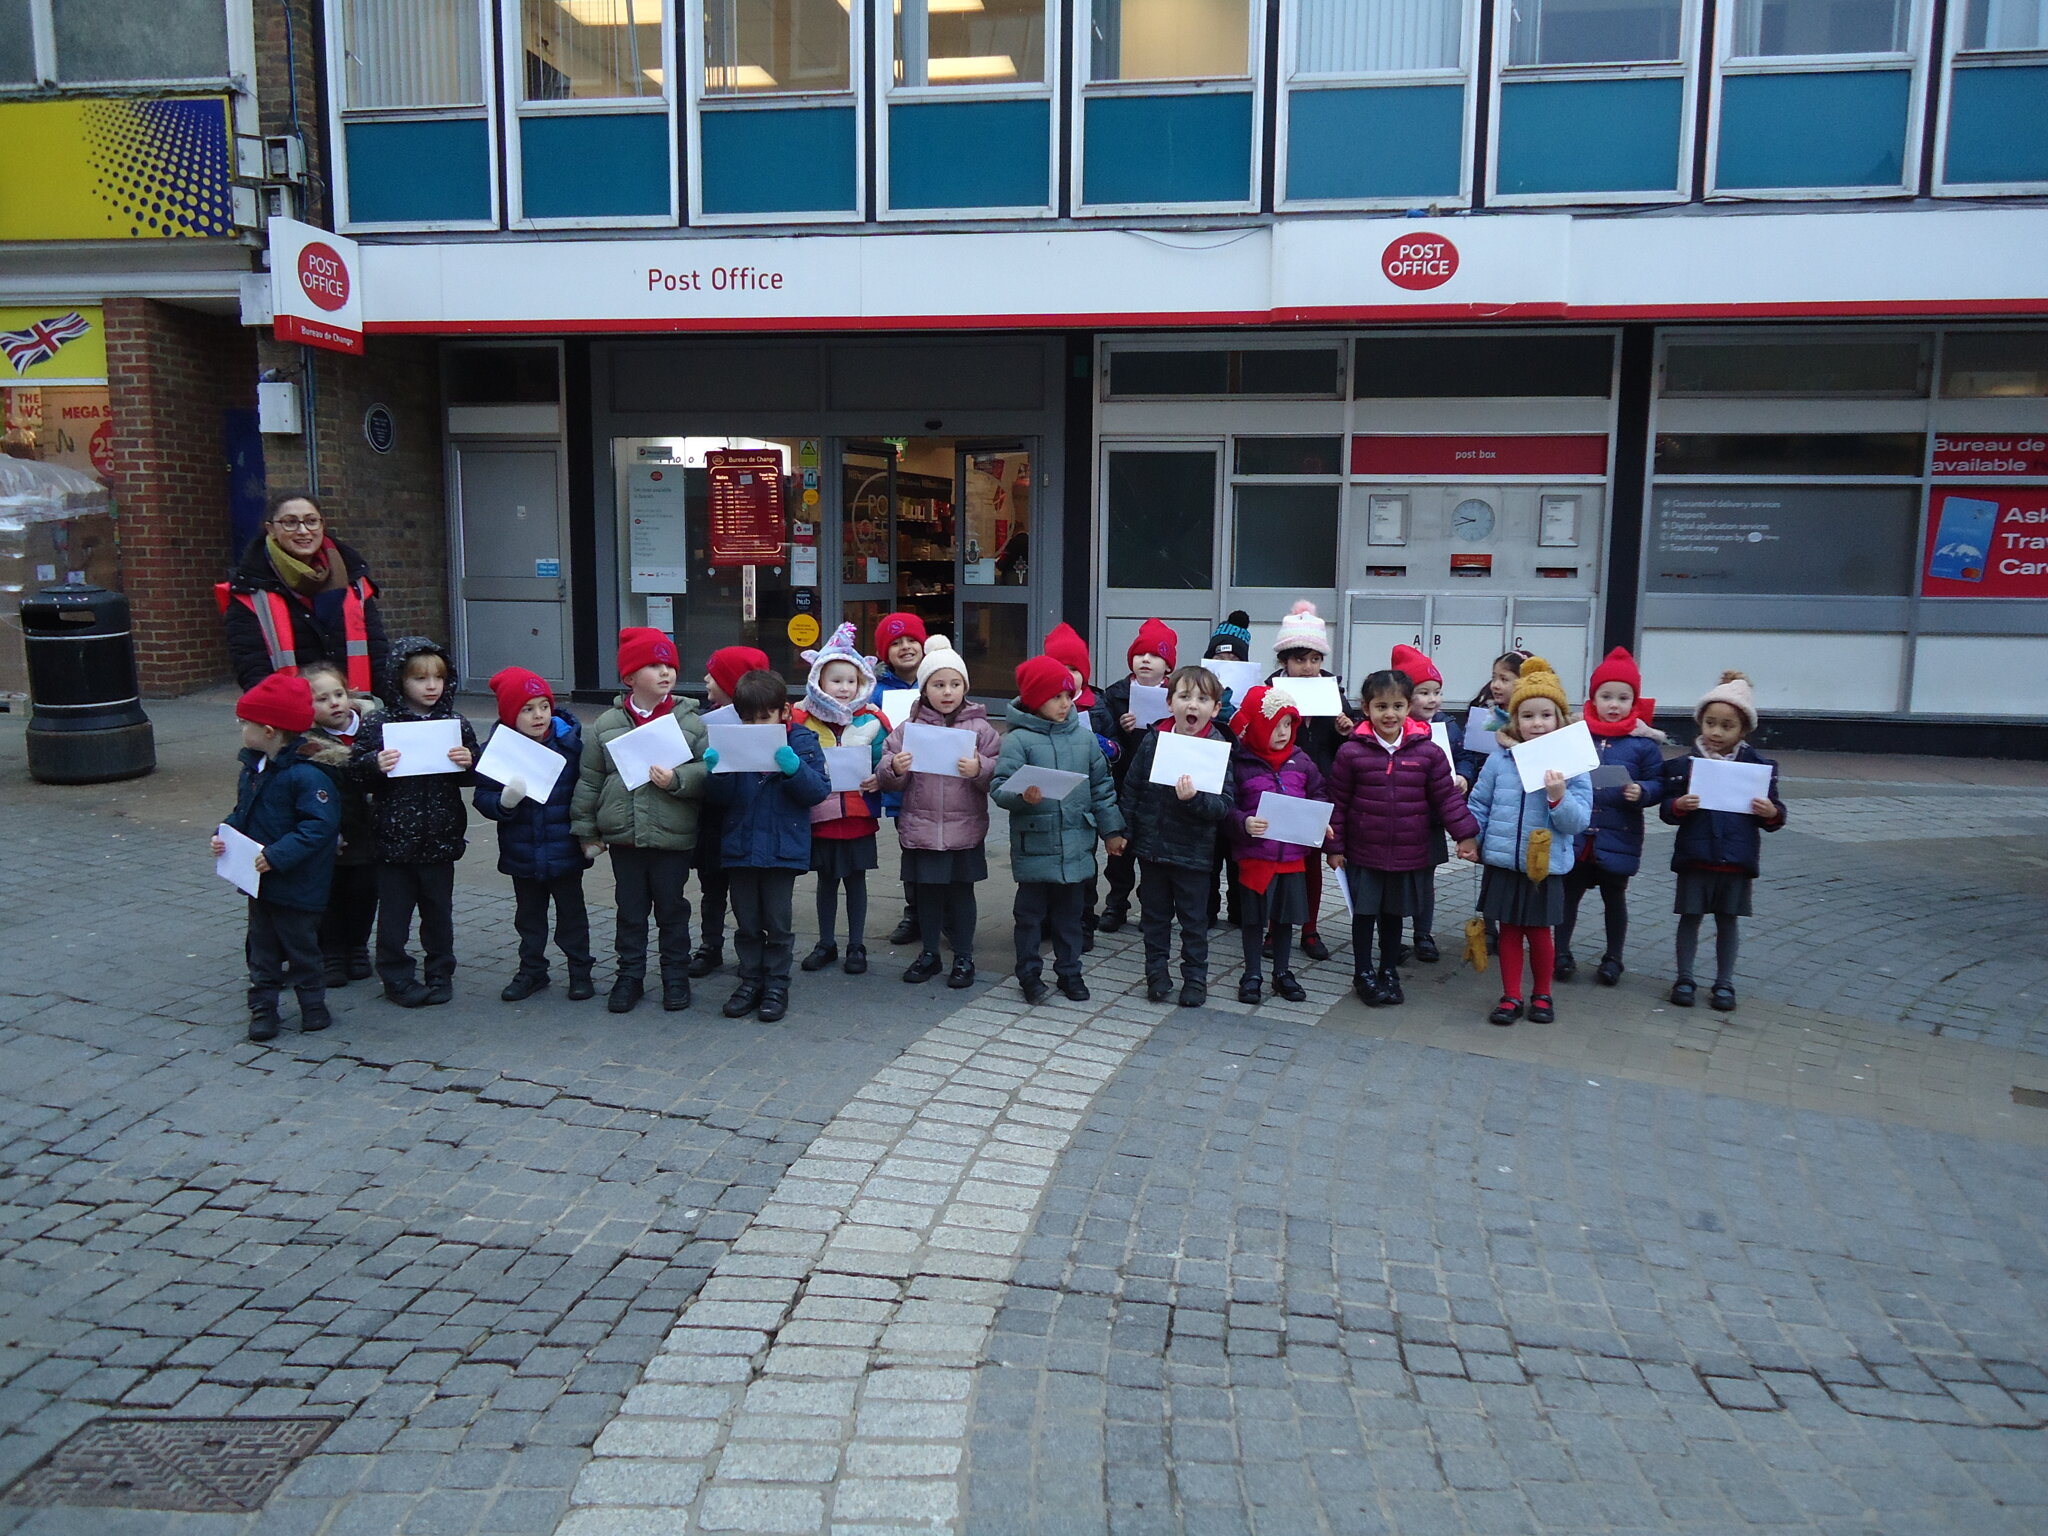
(205, 1466)
(2033, 1098)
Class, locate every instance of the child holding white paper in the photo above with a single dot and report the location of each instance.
(1150, 657)
(1425, 709)
(293, 809)
(1301, 647)
(836, 709)
(722, 673)
(943, 824)
(1526, 843)
(1611, 851)
(1174, 828)
(351, 915)
(651, 831)
(1230, 641)
(1493, 699)
(1718, 853)
(899, 644)
(1273, 877)
(1396, 798)
(537, 845)
(1052, 842)
(422, 823)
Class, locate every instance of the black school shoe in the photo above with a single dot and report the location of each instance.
(1540, 1010)
(927, 965)
(314, 1017)
(1312, 945)
(774, 1002)
(625, 994)
(1367, 985)
(856, 961)
(1566, 968)
(821, 956)
(962, 974)
(1074, 989)
(359, 966)
(744, 1000)
(334, 970)
(581, 987)
(1684, 993)
(1506, 1012)
(1248, 991)
(906, 930)
(1194, 993)
(411, 994)
(1425, 949)
(1722, 998)
(1286, 986)
(675, 995)
(263, 1023)
(1609, 973)
(1158, 989)
(1391, 994)
(1112, 919)
(704, 960)
(439, 992)
(1034, 989)
(523, 986)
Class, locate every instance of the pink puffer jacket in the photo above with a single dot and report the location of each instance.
(943, 812)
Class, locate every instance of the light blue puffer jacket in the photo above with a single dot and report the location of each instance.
(1506, 816)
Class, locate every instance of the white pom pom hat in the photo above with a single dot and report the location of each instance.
(1302, 629)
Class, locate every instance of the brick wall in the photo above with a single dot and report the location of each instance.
(171, 372)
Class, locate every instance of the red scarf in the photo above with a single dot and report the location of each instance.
(1644, 709)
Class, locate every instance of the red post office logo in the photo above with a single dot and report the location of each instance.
(1420, 260)
(323, 275)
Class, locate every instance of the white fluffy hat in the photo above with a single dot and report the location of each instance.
(939, 656)
(1303, 629)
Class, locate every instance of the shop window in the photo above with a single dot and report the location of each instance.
(944, 42)
(1160, 520)
(1544, 32)
(1315, 373)
(1286, 536)
(591, 49)
(1782, 540)
(1872, 368)
(1479, 367)
(1791, 453)
(753, 46)
(1991, 365)
(778, 133)
(1289, 456)
(1169, 105)
(1996, 134)
(110, 41)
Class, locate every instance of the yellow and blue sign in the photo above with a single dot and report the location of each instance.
(98, 169)
(52, 344)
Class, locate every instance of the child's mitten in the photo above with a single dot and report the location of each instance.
(787, 760)
(1475, 942)
(514, 793)
(711, 759)
(1538, 863)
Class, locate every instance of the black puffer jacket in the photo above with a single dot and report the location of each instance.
(318, 633)
(358, 823)
(1166, 829)
(421, 819)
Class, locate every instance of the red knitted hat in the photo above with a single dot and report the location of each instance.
(1154, 639)
(1263, 709)
(1065, 646)
(285, 702)
(514, 686)
(891, 628)
(1619, 667)
(1042, 678)
(1420, 668)
(645, 648)
(733, 662)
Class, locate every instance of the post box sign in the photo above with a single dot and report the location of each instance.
(1386, 455)
(1986, 541)
(315, 287)
(746, 506)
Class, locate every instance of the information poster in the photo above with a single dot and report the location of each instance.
(1986, 541)
(746, 506)
(998, 505)
(657, 551)
(1846, 541)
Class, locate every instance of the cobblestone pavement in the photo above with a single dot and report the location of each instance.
(919, 1258)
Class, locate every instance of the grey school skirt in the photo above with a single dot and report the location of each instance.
(1701, 891)
(1509, 896)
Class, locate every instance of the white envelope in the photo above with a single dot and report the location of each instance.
(1303, 823)
(1570, 751)
(1203, 759)
(725, 714)
(509, 755)
(747, 748)
(1441, 735)
(1729, 786)
(896, 704)
(657, 744)
(1238, 677)
(938, 748)
(1148, 704)
(1477, 737)
(1313, 696)
(238, 864)
(849, 768)
(1053, 783)
(422, 746)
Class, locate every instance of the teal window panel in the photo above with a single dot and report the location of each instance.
(1590, 135)
(778, 160)
(435, 171)
(1384, 141)
(1827, 129)
(601, 166)
(970, 154)
(1998, 125)
(1168, 149)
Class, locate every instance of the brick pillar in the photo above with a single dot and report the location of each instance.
(171, 372)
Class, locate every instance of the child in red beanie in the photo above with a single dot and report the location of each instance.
(537, 846)
(900, 639)
(294, 811)
(651, 831)
(1151, 656)
(1612, 849)
(722, 674)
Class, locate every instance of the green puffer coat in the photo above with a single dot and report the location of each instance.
(1053, 842)
(663, 819)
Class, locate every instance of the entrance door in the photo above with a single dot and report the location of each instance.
(995, 486)
(513, 578)
(1161, 507)
(867, 534)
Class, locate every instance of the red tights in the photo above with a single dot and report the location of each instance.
(1542, 959)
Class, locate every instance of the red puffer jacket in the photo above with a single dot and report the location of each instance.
(1390, 804)
(942, 812)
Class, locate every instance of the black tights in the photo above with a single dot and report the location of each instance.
(1727, 944)
(1578, 880)
(856, 908)
(1388, 926)
(948, 912)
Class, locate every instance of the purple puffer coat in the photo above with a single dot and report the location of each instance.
(1254, 776)
(942, 812)
(1390, 805)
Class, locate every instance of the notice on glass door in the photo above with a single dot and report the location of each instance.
(657, 548)
(746, 506)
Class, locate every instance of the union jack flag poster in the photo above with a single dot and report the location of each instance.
(42, 340)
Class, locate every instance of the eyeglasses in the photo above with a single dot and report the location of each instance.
(295, 524)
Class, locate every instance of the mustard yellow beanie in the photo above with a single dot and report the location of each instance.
(1538, 681)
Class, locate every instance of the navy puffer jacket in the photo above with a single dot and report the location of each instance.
(1615, 844)
(535, 840)
(768, 815)
(1728, 838)
(294, 810)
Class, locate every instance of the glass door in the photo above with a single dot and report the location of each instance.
(995, 488)
(867, 534)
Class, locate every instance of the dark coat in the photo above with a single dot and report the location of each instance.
(1472, 761)
(1111, 705)
(768, 815)
(318, 633)
(333, 755)
(1252, 776)
(535, 840)
(1164, 828)
(420, 819)
(1728, 838)
(1319, 735)
(1616, 842)
(1392, 807)
(293, 809)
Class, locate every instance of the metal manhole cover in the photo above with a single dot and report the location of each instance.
(206, 1466)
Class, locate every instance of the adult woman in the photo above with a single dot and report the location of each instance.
(299, 597)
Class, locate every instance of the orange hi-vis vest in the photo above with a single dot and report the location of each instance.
(273, 615)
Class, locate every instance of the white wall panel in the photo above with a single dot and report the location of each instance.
(1853, 673)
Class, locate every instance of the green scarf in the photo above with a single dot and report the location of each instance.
(300, 575)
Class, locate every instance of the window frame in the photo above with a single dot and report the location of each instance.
(1685, 69)
(237, 79)
(518, 109)
(888, 93)
(1289, 82)
(1954, 57)
(340, 115)
(1082, 90)
(1728, 64)
(1338, 479)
